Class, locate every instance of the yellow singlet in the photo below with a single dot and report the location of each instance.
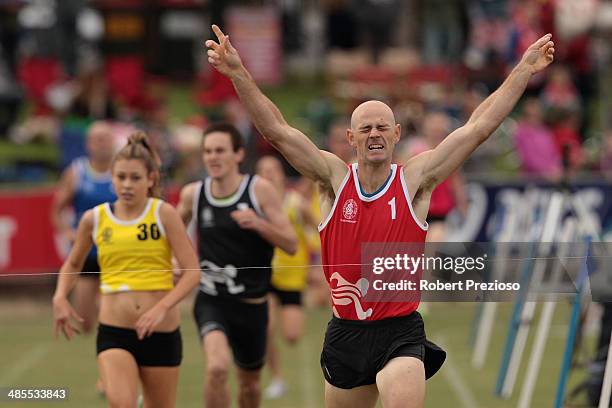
(290, 272)
(133, 255)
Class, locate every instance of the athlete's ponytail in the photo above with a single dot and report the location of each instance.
(138, 147)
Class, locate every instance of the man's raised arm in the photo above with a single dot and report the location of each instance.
(454, 150)
(297, 148)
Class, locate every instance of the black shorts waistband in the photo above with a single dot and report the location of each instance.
(231, 301)
(123, 331)
(378, 323)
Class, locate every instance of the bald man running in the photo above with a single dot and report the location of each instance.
(374, 348)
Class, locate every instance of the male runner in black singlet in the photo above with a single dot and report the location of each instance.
(239, 220)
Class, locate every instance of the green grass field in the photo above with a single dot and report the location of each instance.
(30, 356)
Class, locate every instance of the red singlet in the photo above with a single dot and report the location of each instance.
(355, 219)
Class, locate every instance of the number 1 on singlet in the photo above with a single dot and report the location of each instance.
(392, 205)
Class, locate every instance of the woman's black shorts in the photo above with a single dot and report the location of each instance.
(158, 350)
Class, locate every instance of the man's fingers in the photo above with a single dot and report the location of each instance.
(548, 46)
(222, 37)
(211, 44)
(212, 54)
(543, 40)
(229, 45)
(218, 33)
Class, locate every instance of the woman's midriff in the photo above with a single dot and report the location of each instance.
(123, 309)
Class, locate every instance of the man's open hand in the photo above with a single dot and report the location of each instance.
(539, 54)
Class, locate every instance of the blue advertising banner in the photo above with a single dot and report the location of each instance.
(490, 202)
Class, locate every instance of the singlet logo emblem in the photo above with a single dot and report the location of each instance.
(207, 217)
(349, 210)
(107, 235)
(346, 293)
(212, 274)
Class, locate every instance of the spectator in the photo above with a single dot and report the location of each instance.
(573, 21)
(443, 31)
(489, 33)
(559, 92)
(526, 27)
(337, 141)
(10, 97)
(92, 98)
(158, 129)
(567, 136)
(66, 13)
(535, 143)
(450, 193)
(340, 21)
(376, 20)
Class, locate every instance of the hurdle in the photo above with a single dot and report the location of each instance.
(533, 369)
(524, 310)
(582, 288)
(524, 214)
(485, 317)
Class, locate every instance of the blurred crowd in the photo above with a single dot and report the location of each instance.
(434, 61)
(461, 52)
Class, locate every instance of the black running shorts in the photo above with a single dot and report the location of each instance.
(244, 324)
(355, 351)
(160, 349)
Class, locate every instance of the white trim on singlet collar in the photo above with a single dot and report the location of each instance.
(81, 168)
(98, 176)
(78, 172)
(381, 192)
(233, 199)
(324, 223)
(128, 222)
(192, 225)
(253, 197)
(160, 224)
(423, 226)
(195, 202)
(96, 216)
